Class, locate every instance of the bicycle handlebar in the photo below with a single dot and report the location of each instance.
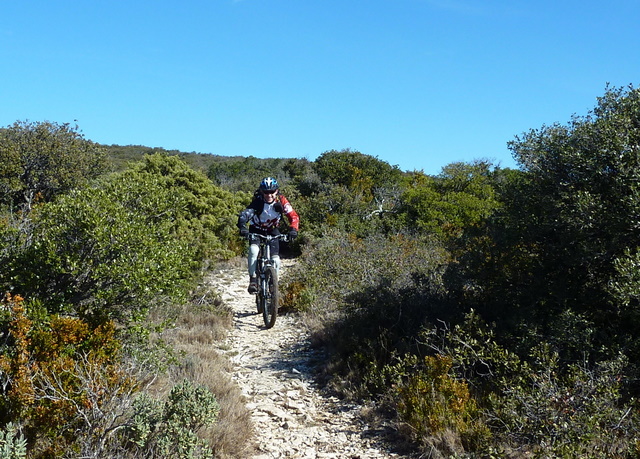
(267, 237)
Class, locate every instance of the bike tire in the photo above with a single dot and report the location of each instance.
(271, 296)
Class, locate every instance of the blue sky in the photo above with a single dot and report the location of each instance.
(416, 83)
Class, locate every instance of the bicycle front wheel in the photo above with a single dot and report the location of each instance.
(271, 297)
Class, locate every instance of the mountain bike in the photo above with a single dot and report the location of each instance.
(267, 297)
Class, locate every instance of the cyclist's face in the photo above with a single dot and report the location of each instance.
(269, 196)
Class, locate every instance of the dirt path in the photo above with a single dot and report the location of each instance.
(291, 415)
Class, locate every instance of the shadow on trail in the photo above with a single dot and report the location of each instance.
(300, 361)
(243, 314)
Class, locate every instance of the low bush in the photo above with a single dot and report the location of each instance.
(457, 388)
(577, 412)
(365, 298)
(540, 404)
(12, 443)
(170, 429)
(338, 265)
(64, 381)
(92, 257)
(438, 407)
(195, 334)
(166, 190)
(74, 393)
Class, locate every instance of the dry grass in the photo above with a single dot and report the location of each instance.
(204, 366)
(200, 328)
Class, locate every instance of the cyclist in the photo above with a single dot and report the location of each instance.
(264, 215)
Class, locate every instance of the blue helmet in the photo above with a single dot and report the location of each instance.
(269, 184)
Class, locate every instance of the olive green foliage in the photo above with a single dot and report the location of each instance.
(335, 208)
(358, 172)
(42, 160)
(375, 286)
(438, 406)
(462, 196)
(245, 174)
(369, 297)
(625, 285)
(201, 213)
(537, 404)
(90, 254)
(106, 252)
(121, 157)
(68, 388)
(304, 179)
(92, 257)
(348, 190)
(557, 256)
(170, 428)
(336, 266)
(573, 412)
(547, 255)
(63, 381)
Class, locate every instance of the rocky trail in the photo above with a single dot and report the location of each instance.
(293, 417)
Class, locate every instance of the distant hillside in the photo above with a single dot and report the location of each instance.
(234, 173)
(120, 156)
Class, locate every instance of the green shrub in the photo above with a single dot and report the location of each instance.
(366, 299)
(107, 252)
(577, 413)
(336, 266)
(39, 161)
(540, 404)
(459, 198)
(63, 381)
(437, 406)
(12, 443)
(165, 188)
(360, 173)
(91, 256)
(170, 428)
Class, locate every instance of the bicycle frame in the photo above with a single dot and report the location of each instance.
(267, 297)
(264, 242)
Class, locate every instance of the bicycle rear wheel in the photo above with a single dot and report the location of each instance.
(271, 297)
